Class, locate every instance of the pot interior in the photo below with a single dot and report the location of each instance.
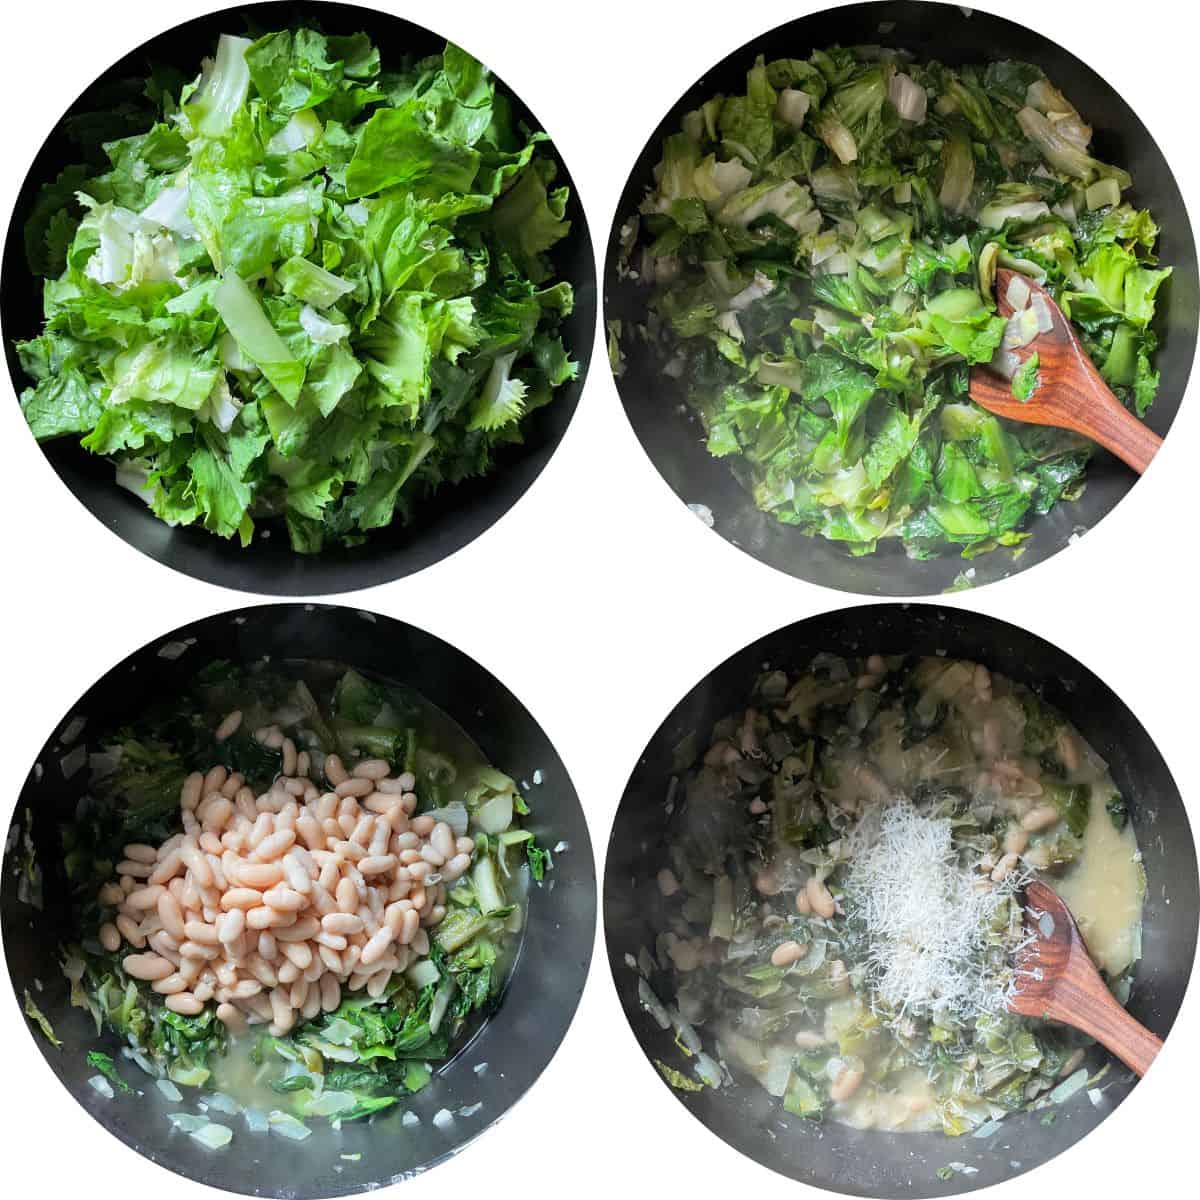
(444, 522)
(516, 1042)
(874, 1163)
(674, 440)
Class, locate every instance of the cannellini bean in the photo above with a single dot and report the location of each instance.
(262, 917)
(135, 870)
(189, 796)
(196, 863)
(241, 897)
(128, 928)
(231, 925)
(331, 993)
(376, 945)
(299, 931)
(819, 897)
(147, 966)
(259, 875)
(172, 916)
(296, 874)
(231, 1017)
(283, 899)
(273, 846)
(1015, 840)
(1039, 818)
(373, 769)
(283, 1018)
(288, 749)
(377, 865)
(178, 982)
(184, 1003)
(342, 922)
(787, 953)
(408, 928)
(167, 868)
(846, 1082)
(456, 867)
(145, 898)
(1005, 867)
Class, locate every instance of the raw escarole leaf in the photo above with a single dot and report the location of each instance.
(819, 256)
(308, 285)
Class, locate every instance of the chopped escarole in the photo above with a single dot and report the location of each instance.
(819, 255)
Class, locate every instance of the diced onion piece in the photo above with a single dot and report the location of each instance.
(1005, 363)
(454, 815)
(256, 1121)
(73, 760)
(188, 1122)
(837, 264)
(220, 1102)
(792, 106)
(1069, 1086)
(329, 1104)
(728, 323)
(1017, 293)
(1102, 194)
(1045, 318)
(422, 973)
(287, 1126)
(101, 1085)
(495, 815)
(908, 97)
(443, 1119)
(758, 287)
(213, 1136)
(169, 1090)
(1022, 328)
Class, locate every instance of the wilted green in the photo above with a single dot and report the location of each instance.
(819, 257)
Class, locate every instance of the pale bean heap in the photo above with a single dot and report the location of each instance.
(271, 905)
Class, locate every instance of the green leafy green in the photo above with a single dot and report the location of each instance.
(105, 1065)
(1026, 381)
(35, 1014)
(307, 288)
(818, 256)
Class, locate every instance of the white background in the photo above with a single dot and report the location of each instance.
(619, 598)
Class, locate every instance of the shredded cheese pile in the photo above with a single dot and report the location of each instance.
(925, 918)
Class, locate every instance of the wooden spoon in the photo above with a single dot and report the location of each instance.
(1071, 395)
(1057, 981)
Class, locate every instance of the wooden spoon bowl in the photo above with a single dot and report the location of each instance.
(1057, 981)
(1071, 393)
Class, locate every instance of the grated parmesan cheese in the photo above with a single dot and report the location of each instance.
(924, 918)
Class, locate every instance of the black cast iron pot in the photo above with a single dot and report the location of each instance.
(445, 522)
(516, 1042)
(674, 440)
(872, 1163)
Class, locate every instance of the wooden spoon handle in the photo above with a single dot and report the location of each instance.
(1107, 421)
(1104, 1019)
